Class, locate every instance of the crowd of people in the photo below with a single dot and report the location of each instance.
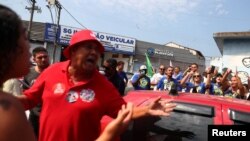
(192, 81)
(226, 83)
(67, 100)
(73, 95)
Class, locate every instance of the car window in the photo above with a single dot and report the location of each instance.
(187, 122)
(239, 117)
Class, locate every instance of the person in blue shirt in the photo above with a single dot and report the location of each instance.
(123, 75)
(197, 86)
(141, 81)
(177, 74)
(220, 85)
(167, 81)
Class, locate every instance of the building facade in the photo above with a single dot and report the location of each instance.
(235, 50)
(166, 55)
(122, 48)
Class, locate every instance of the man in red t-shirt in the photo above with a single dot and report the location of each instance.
(76, 96)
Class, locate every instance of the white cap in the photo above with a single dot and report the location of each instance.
(143, 67)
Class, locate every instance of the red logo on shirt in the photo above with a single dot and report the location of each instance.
(59, 88)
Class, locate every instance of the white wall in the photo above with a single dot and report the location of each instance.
(215, 61)
(236, 55)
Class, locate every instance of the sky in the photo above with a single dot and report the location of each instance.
(190, 23)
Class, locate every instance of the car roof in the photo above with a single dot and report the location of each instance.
(141, 97)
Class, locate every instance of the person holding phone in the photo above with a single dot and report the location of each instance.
(196, 85)
(219, 85)
(141, 81)
(193, 68)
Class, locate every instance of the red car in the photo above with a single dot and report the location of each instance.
(189, 120)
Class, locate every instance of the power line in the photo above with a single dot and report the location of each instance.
(73, 17)
(56, 12)
(48, 6)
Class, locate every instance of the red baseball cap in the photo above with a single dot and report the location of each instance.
(80, 37)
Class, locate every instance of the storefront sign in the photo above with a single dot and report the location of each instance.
(65, 34)
(111, 43)
(116, 43)
(152, 51)
(164, 52)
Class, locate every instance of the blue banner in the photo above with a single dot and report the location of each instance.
(50, 32)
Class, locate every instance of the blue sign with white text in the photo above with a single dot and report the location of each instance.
(50, 32)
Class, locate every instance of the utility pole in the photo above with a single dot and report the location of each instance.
(59, 7)
(32, 9)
